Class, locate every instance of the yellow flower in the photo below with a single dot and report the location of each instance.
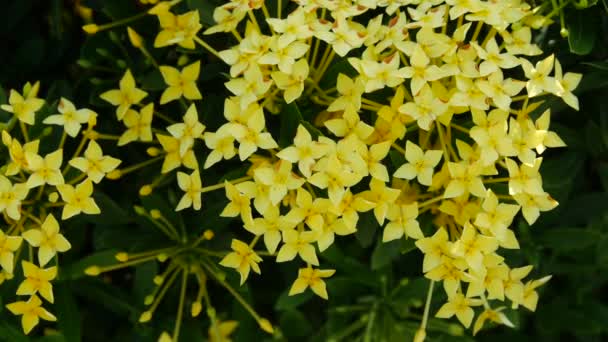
(187, 131)
(285, 56)
(37, 280)
(304, 151)
(221, 144)
(70, 118)
(525, 178)
(306, 210)
(538, 77)
(44, 170)
(94, 163)
(48, 240)
(239, 203)
(191, 185)
(127, 95)
(382, 197)
(421, 71)
(494, 315)
(271, 225)
(252, 136)
(181, 83)
(493, 60)
(402, 222)
(292, 83)
(8, 245)
(425, 109)
(313, 278)
(298, 243)
(180, 29)
(460, 306)
(567, 83)
(279, 178)
(17, 153)
(173, 158)
(532, 204)
(24, 107)
(473, 246)
(31, 312)
(434, 248)
(78, 199)
(420, 164)
(464, 178)
(249, 88)
(11, 196)
(243, 259)
(220, 331)
(496, 217)
(139, 125)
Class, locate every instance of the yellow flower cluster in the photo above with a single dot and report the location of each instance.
(461, 77)
(450, 90)
(30, 187)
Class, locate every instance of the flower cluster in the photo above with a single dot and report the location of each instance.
(34, 185)
(417, 112)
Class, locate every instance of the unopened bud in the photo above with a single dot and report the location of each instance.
(92, 270)
(115, 174)
(158, 280)
(145, 190)
(196, 309)
(182, 60)
(90, 28)
(122, 256)
(155, 214)
(266, 325)
(136, 40)
(146, 316)
(162, 257)
(153, 151)
(139, 210)
(208, 234)
(148, 300)
(53, 197)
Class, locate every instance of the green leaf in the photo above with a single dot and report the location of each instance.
(68, 315)
(582, 32)
(290, 120)
(366, 229)
(568, 239)
(9, 333)
(106, 295)
(294, 324)
(111, 212)
(598, 65)
(287, 302)
(384, 253)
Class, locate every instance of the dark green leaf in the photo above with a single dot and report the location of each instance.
(294, 324)
(290, 120)
(567, 239)
(287, 302)
(68, 314)
(384, 253)
(582, 32)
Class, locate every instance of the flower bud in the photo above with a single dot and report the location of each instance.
(90, 28)
(92, 271)
(135, 39)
